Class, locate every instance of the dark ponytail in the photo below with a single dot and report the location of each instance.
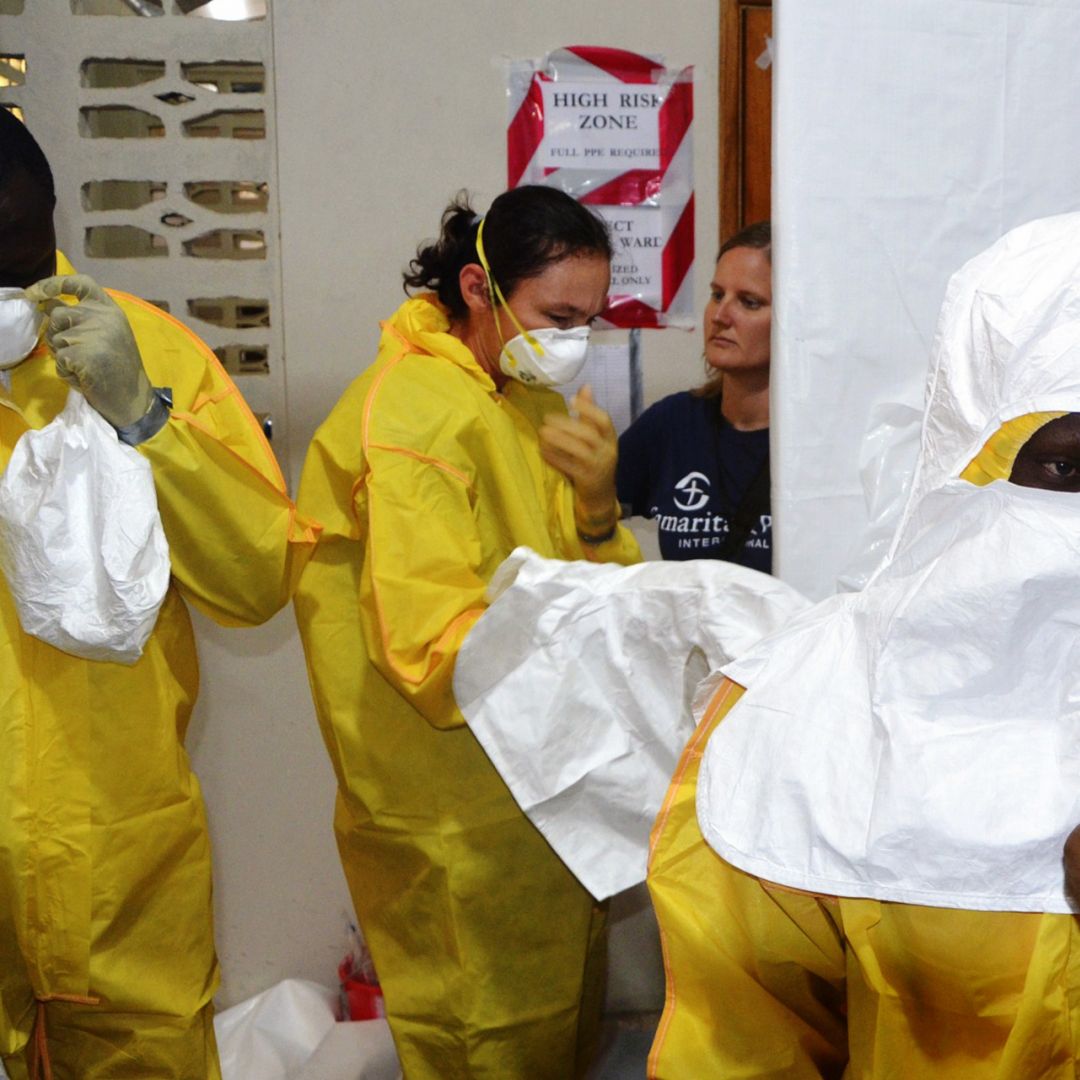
(525, 231)
(437, 265)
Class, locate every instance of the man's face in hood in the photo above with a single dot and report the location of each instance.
(1050, 459)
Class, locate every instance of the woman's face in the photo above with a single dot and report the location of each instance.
(567, 293)
(738, 316)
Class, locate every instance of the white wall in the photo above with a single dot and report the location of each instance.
(280, 896)
(384, 111)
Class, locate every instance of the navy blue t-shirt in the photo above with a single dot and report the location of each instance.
(683, 463)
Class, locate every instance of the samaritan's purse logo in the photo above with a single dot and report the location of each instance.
(694, 487)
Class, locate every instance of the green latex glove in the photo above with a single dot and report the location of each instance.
(94, 347)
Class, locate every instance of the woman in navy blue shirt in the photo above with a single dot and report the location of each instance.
(699, 460)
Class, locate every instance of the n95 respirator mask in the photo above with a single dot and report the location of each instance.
(549, 356)
(20, 327)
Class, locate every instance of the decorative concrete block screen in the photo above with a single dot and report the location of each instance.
(157, 118)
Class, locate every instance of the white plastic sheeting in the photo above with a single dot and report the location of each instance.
(919, 741)
(578, 681)
(908, 136)
(82, 547)
(289, 1032)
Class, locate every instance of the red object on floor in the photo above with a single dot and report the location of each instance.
(364, 1001)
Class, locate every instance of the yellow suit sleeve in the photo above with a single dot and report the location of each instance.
(236, 543)
(422, 586)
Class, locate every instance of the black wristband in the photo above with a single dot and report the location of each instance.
(151, 421)
(598, 538)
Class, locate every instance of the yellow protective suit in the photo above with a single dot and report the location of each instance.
(764, 981)
(106, 937)
(490, 954)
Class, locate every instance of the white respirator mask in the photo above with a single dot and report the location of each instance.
(545, 357)
(548, 356)
(20, 327)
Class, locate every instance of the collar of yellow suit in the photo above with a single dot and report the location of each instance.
(425, 323)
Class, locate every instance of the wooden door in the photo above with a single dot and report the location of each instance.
(745, 114)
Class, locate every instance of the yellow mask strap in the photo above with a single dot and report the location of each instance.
(996, 459)
(497, 293)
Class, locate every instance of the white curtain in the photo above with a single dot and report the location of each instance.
(908, 135)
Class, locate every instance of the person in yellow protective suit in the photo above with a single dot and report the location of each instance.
(107, 963)
(777, 980)
(445, 455)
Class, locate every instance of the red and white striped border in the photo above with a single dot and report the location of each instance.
(670, 186)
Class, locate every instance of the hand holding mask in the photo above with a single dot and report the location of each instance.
(95, 348)
(585, 449)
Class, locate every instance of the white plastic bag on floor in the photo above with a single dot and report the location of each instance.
(82, 547)
(357, 1050)
(290, 1032)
